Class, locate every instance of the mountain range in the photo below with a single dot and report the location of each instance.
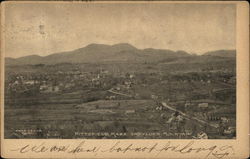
(122, 52)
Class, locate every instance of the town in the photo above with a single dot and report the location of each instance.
(121, 100)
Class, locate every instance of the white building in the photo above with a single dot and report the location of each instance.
(203, 105)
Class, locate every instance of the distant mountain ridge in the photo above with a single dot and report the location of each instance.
(221, 53)
(122, 52)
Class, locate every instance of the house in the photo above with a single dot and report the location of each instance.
(175, 118)
(55, 89)
(128, 84)
(224, 119)
(230, 130)
(104, 72)
(213, 117)
(110, 97)
(43, 87)
(131, 76)
(130, 111)
(159, 108)
(46, 88)
(203, 105)
(202, 135)
(68, 85)
(29, 82)
(179, 118)
(16, 82)
(82, 75)
(154, 96)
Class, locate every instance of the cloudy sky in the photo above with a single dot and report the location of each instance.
(45, 28)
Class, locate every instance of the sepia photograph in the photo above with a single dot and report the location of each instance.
(119, 71)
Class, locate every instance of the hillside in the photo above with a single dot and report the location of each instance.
(123, 52)
(222, 53)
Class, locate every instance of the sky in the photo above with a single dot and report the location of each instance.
(43, 29)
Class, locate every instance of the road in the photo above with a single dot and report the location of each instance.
(122, 94)
(187, 116)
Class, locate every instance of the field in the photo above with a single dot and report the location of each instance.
(174, 99)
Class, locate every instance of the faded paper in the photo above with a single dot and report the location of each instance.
(105, 48)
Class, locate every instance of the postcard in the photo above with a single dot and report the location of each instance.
(123, 79)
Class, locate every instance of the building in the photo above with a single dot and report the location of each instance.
(29, 82)
(203, 105)
(130, 111)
